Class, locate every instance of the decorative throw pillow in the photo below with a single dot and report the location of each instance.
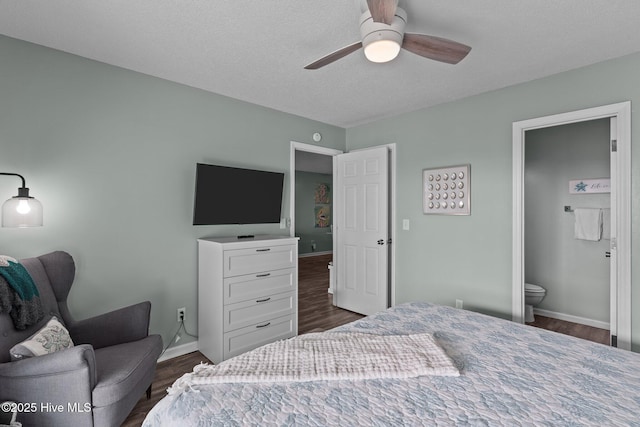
(51, 338)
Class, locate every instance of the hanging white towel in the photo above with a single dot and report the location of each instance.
(606, 224)
(588, 224)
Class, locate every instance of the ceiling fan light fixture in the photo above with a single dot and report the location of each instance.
(380, 51)
(382, 42)
(382, 37)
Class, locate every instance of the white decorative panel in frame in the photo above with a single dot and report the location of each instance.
(446, 191)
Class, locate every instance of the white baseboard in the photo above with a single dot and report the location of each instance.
(571, 318)
(179, 350)
(314, 254)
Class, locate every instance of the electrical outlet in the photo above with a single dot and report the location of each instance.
(182, 314)
(458, 303)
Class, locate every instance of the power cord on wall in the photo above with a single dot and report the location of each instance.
(176, 337)
(184, 327)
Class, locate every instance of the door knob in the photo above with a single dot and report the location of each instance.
(381, 242)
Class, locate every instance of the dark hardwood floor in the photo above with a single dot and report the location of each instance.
(315, 311)
(166, 373)
(315, 307)
(574, 329)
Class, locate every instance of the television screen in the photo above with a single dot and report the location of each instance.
(228, 195)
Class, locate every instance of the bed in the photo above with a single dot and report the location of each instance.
(510, 374)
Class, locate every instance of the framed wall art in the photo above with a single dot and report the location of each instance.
(446, 190)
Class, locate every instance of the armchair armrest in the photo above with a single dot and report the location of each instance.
(116, 327)
(77, 362)
(59, 379)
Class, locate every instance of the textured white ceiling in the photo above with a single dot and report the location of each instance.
(255, 50)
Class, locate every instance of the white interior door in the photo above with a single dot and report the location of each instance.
(613, 251)
(361, 228)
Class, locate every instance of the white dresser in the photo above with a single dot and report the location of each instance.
(247, 293)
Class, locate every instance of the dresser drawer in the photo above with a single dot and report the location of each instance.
(245, 339)
(256, 311)
(258, 259)
(242, 288)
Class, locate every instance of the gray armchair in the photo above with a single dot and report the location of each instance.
(100, 379)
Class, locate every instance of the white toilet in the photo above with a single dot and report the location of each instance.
(533, 295)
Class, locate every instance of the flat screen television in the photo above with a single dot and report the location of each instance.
(228, 195)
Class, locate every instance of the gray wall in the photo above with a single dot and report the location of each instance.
(305, 218)
(111, 155)
(575, 273)
(443, 258)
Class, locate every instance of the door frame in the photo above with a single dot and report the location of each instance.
(622, 113)
(300, 146)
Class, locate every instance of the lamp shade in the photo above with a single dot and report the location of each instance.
(22, 212)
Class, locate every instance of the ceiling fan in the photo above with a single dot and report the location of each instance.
(382, 32)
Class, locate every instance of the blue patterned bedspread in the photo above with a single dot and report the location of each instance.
(511, 375)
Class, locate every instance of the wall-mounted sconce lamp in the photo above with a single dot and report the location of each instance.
(21, 210)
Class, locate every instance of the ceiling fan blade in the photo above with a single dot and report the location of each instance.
(334, 56)
(435, 48)
(382, 10)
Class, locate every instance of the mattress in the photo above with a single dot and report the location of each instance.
(510, 374)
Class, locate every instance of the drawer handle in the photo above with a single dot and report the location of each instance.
(263, 275)
(263, 250)
(263, 326)
(263, 300)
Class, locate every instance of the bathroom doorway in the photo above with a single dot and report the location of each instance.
(617, 116)
(567, 275)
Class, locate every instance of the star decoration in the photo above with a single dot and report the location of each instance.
(581, 186)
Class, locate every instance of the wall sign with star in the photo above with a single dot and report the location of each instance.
(585, 186)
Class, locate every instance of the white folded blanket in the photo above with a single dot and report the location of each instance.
(328, 356)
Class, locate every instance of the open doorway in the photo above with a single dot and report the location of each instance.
(567, 228)
(311, 221)
(618, 118)
(349, 267)
(313, 203)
